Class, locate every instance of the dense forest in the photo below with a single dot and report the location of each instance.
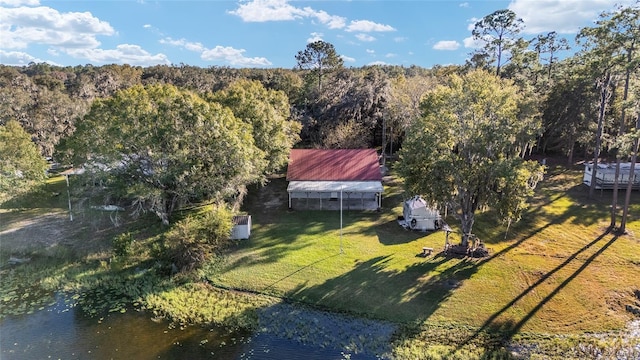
(584, 100)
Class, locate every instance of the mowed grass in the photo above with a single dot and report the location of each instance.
(556, 271)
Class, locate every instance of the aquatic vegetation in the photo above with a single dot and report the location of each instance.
(198, 303)
(30, 286)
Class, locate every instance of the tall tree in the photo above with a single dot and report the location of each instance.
(461, 152)
(403, 104)
(353, 95)
(634, 157)
(611, 47)
(498, 32)
(51, 117)
(267, 112)
(624, 24)
(347, 135)
(625, 27)
(320, 57)
(21, 163)
(567, 112)
(547, 47)
(163, 147)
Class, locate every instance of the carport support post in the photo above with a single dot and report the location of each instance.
(340, 220)
(69, 198)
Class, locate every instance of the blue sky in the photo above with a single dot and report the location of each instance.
(265, 33)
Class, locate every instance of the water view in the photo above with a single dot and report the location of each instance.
(62, 331)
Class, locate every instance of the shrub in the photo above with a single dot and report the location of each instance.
(122, 244)
(195, 239)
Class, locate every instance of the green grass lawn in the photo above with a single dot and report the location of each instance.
(556, 271)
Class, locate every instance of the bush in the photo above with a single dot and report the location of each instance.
(195, 239)
(122, 244)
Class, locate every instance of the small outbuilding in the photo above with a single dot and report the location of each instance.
(241, 227)
(606, 175)
(417, 215)
(331, 179)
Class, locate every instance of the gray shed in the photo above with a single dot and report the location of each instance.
(241, 227)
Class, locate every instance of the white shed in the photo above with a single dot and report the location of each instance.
(241, 227)
(419, 216)
(606, 174)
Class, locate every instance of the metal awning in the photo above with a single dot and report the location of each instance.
(335, 186)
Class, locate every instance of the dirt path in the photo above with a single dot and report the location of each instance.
(39, 230)
(35, 231)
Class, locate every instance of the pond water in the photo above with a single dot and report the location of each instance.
(62, 331)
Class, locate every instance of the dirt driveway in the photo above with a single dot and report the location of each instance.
(41, 230)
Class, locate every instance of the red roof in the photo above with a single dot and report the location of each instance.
(333, 165)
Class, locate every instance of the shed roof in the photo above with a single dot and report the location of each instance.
(241, 219)
(333, 165)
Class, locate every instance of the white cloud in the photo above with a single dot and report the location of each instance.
(399, 39)
(365, 37)
(17, 58)
(373, 63)
(347, 58)
(281, 10)
(43, 25)
(233, 57)
(332, 21)
(76, 34)
(472, 23)
(563, 16)
(226, 54)
(268, 10)
(191, 46)
(315, 36)
(20, 2)
(471, 43)
(464, 5)
(124, 53)
(370, 51)
(446, 45)
(73, 33)
(367, 26)
(390, 55)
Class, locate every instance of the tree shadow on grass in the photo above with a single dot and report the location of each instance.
(374, 289)
(49, 195)
(525, 231)
(272, 241)
(556, 202)
(391, 233)
(299, 270)
(269, 203)
(508, 330)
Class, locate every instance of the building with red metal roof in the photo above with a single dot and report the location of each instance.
(325, 178)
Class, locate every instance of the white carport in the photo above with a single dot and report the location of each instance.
(359, 195)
